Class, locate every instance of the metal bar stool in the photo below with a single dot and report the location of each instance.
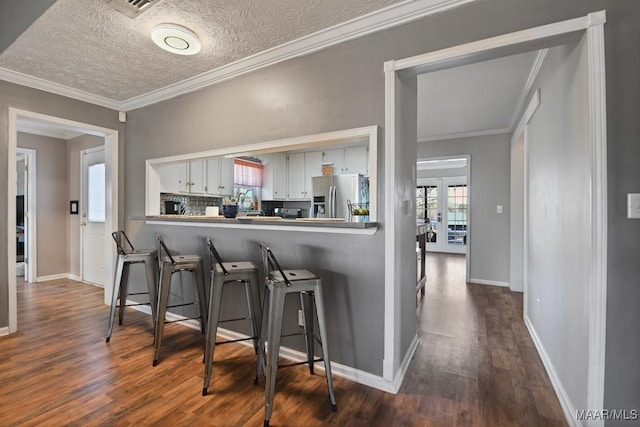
(169, 265)
(223, 273)
(128, 255)
(279, 283)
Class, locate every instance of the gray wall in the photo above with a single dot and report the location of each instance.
(52, 204)
(73, 148)
(622, 32)
(46, 103)
(15, 17)
(558, 212)
(489, 240)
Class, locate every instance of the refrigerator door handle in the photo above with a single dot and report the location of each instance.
(334, 209)
(329, 207)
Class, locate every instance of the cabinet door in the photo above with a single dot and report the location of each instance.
(173, 178)
(296, 177)
(197, 176)
(213, 176)
(312, 167)
(335, 156)
(279, 176)
(356, 160)
(226, 179)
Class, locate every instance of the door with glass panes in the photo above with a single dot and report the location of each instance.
(442, 204)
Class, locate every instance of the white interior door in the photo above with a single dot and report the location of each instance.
(442, 203)
(93, 213)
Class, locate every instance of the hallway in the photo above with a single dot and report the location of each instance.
(476, 363)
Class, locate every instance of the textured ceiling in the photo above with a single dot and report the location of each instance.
(87, 45)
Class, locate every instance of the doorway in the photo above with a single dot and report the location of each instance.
(111, 195)
(26, 249)
(400, 124)
(443, 205)
(92, 211)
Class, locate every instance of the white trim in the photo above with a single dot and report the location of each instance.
(111, 150)
(391, 16)
(567, 407)
(31, 230)
(258, 226)
(74, 277)
(489, 282)
(392, 287)
(366, 133)
(4, 331)
(58, 89)
(492, 47)
(598, 265)
(436, 60)
(461, 135)
(533, 75)
(11, 221)
(52, 277)
(528, 114)
(404, 366)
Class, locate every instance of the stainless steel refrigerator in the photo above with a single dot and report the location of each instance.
(331, 193)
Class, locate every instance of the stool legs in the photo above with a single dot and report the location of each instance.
(253, 304)
(150, 265)
(201, 296)
(114, 296)
(322, 326)
(306, 301)
(124, 291)
(161, 309)
(274, 331)
(215, 301)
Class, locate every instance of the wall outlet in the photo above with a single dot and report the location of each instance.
(300, 319)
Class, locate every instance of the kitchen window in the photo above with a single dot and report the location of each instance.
(247, 177)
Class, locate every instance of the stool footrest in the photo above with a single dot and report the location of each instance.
(181, 320)
(288, 365)
(138, 293)
(233, 320)
(134, 304)
(238, 340)
(181, 305)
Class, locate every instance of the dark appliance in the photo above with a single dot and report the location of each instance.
(287, 212)
(172, 208)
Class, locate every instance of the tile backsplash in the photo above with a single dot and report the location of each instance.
(193, 205)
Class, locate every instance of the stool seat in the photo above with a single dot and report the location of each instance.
(169, 265)
(292, 275)
(233, 267)
(222, 274)
(128, 255)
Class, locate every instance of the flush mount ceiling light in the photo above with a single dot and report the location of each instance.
(176, 39)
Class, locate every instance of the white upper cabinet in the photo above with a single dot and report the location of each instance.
(174, 177)
(197, 176)
(274, 176)
(347, 160)
(220, 177)
(302, 167)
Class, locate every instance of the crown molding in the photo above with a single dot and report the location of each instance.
(58, 89)
(407, 11)
(464, 135)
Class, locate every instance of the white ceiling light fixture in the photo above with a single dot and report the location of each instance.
(176, 39)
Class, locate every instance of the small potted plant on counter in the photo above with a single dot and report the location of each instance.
(230, 207)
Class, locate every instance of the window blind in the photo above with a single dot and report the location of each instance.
(247, 173)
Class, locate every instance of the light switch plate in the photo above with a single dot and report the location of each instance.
(633, 205)
(499, 209)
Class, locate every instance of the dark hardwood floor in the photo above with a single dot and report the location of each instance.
(475, 365)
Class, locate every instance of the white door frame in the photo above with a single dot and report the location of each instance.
(31, 252)
(593, 26)
(83, 204)
(111, 156)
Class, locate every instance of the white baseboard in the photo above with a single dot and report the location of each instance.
(52, 277)
(4, 331)
(565, 402)
(489, 282)
(337, 369)
(74, 277)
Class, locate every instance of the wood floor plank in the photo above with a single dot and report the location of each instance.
(475, 366)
